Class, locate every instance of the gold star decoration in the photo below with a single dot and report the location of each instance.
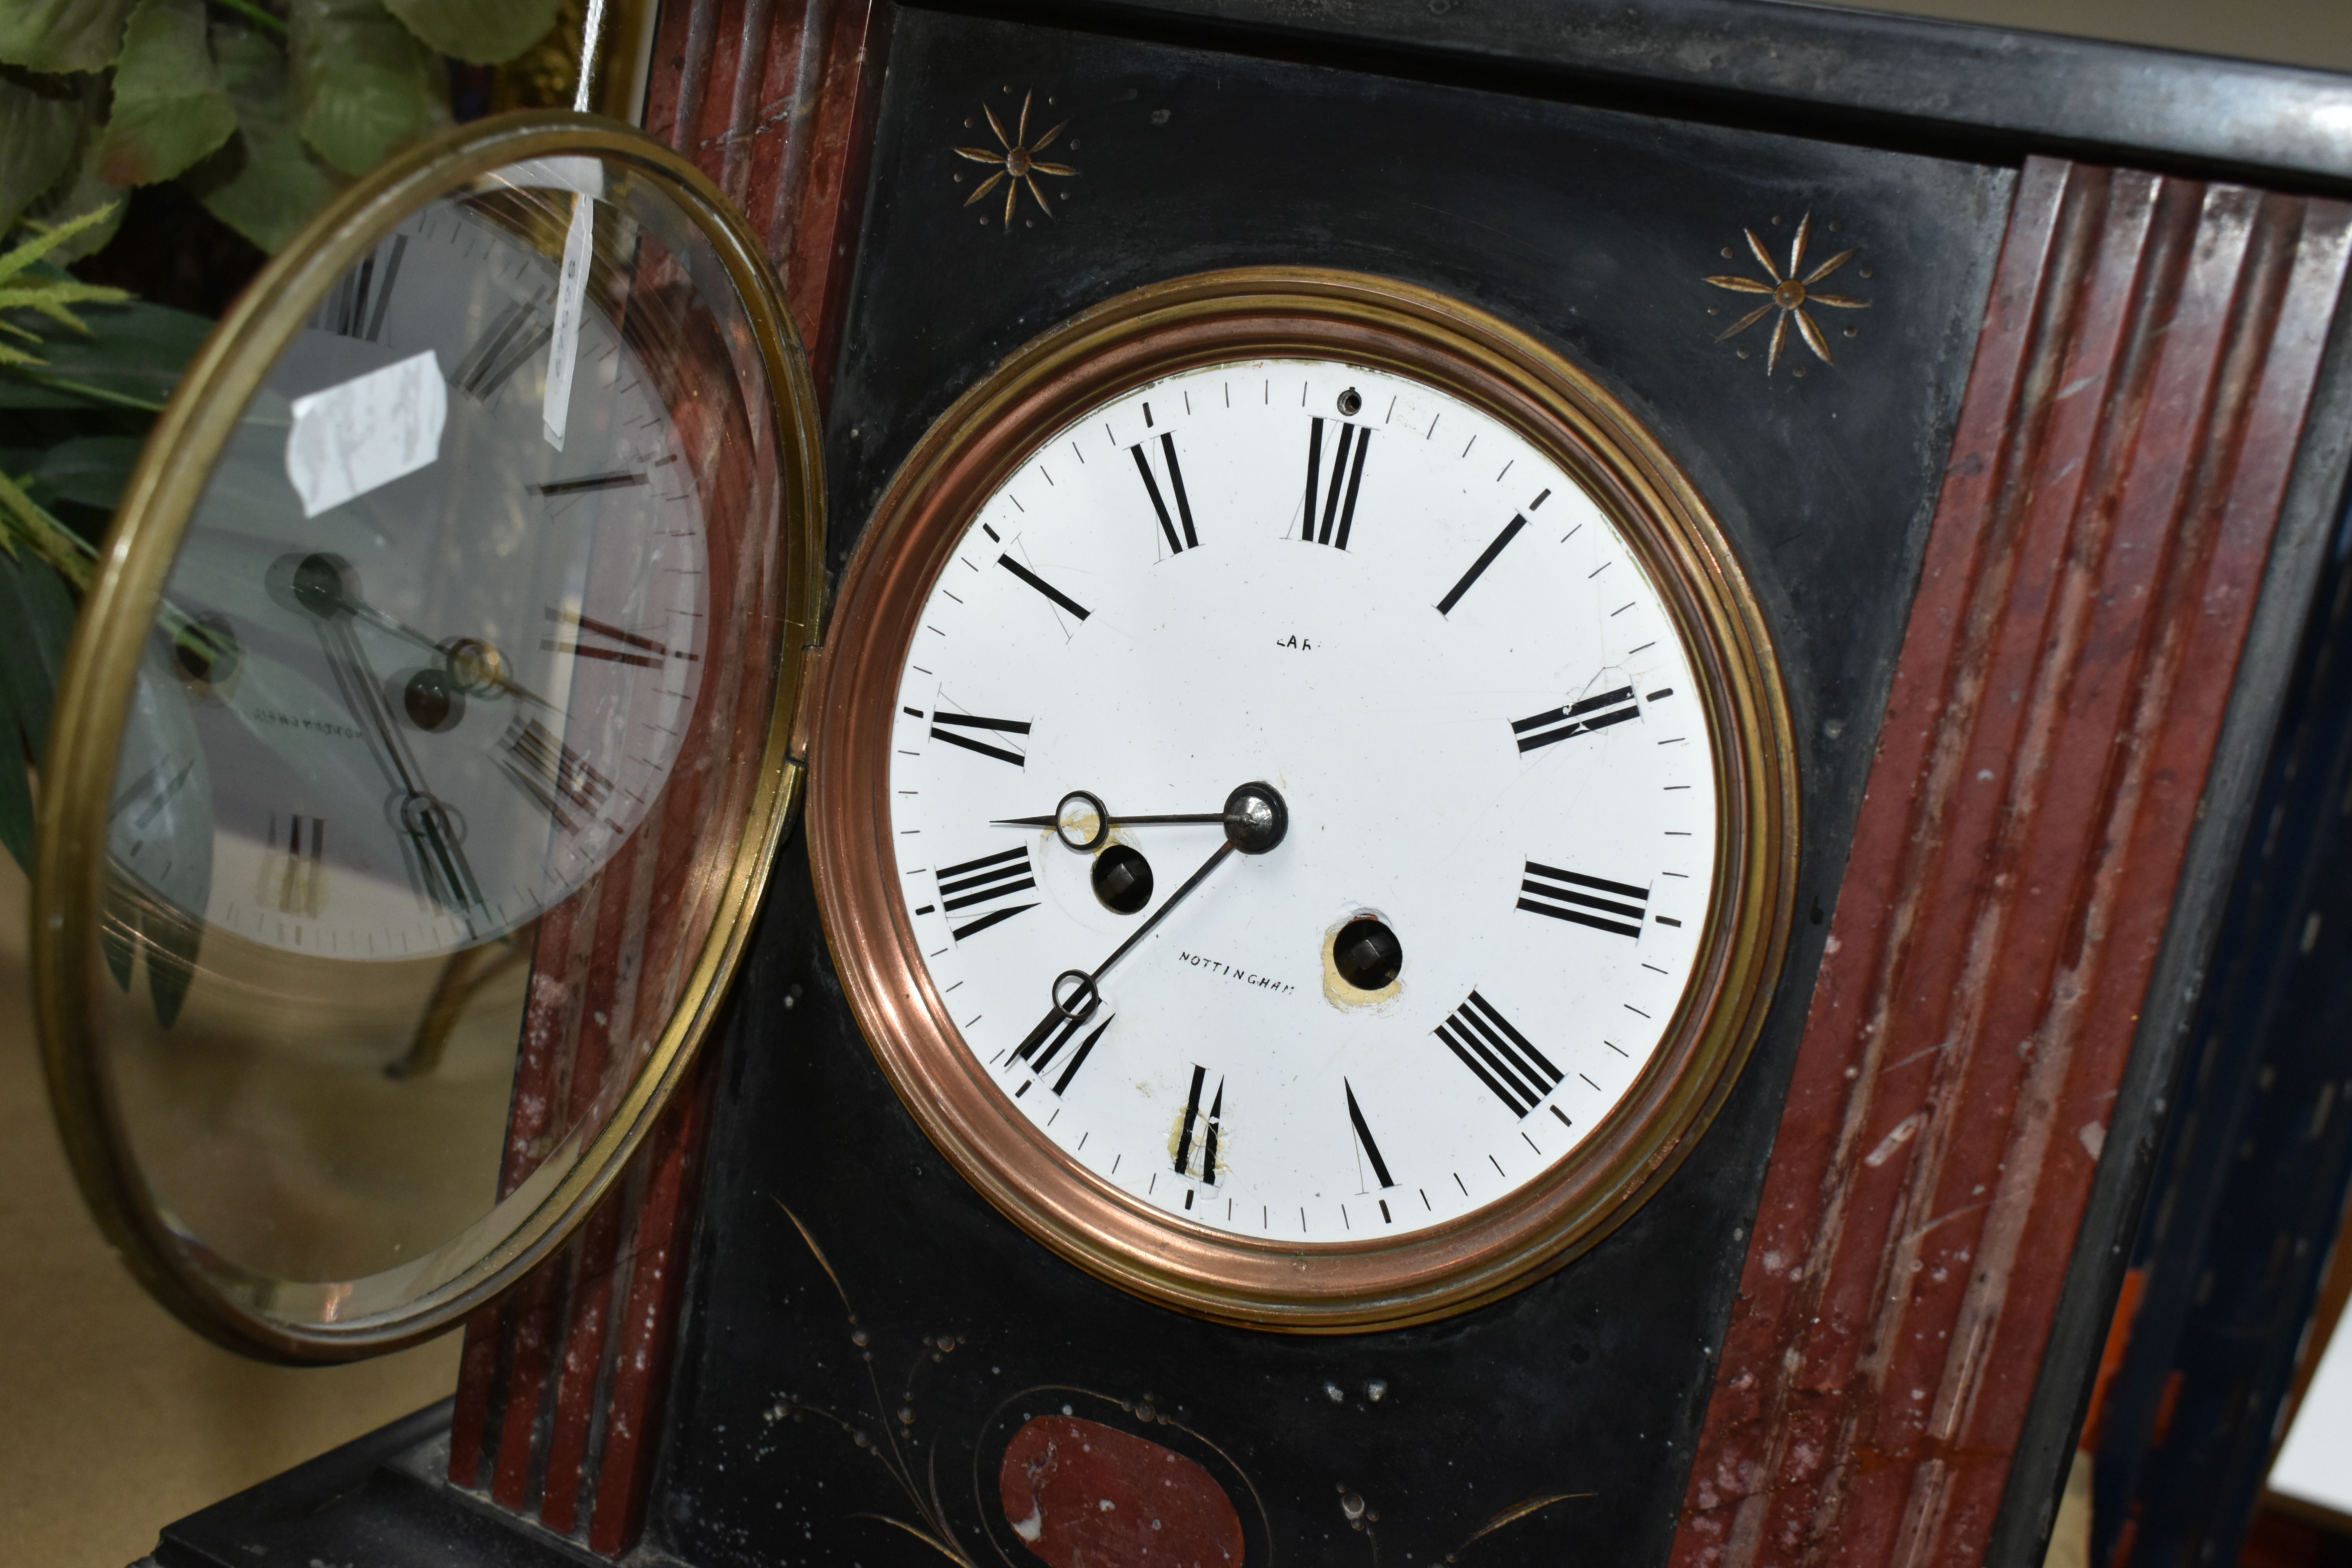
(1016, 161)
(1789, 296)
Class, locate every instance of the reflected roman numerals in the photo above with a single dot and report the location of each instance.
(965, 730)
(1503, 1059)
(592, 638)
(1364, 1140)
(1337, 488)
(355, 307)
(536, 760)
(155, 789)
(1595, 901)
(1167, 525)
(516, 334)
(1204, 1127)
(1044, 1048)
(974, 884)
(294, 876)
(1581, 718)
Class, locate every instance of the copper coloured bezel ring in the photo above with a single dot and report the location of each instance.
(294, 1321)
(977, 445)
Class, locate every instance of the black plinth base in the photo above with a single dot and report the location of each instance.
(380, 1501)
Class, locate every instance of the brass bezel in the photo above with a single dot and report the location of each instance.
(976, 445)
(224, 1302)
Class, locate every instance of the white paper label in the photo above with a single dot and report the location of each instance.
(564, 347)
(366, 432)
(585, 175)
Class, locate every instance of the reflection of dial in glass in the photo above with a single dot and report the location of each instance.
(1416, 635)
(441, 705)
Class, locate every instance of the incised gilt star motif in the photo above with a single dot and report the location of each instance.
(1789, 296)
(1016, 161)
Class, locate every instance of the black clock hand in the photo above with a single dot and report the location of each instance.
(320, 584)
(1082, 821)
(480, 667)
(1255, 819)
(323, 585)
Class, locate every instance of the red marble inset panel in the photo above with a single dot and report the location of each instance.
(1083, 1495)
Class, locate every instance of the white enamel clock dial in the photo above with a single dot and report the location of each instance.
(1465, 689)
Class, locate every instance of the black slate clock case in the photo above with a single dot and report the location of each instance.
(795, 1434)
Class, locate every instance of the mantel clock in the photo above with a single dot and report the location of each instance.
(1524, 732)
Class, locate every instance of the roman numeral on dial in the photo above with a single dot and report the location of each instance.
(1047, 589)
(1205, 1127)
(1581, 718)
(1595, 901)
(295, 880)
(518, 332)
(1052, 1041)
(361, 297)
(1478, 567)
(592, 638)
(1339, 487)
(960, 729)
(537, 762)
(1503, 1059)
(1175, 488)
(987, 881)
(1364, 1138)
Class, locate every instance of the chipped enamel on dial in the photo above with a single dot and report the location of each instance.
(559, 597)
(1444, 657)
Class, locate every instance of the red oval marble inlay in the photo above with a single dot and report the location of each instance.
(1083, 1495)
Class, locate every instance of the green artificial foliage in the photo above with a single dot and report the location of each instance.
(476, 33)
(271, 182)
(364, 86)
(62, 35)
(169, 107)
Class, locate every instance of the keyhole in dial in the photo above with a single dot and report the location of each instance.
(1366, 954)
(1122, 879)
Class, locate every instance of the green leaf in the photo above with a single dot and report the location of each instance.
(52, 236)
(267, 183)
(170, 108)
(62, 35)
(364, 86)
(40, 126)
(132, 354)
(36, 618)
(80, 195)
(91, 470)
(479, 32)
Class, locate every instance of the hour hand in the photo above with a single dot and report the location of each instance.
(1083, 822)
